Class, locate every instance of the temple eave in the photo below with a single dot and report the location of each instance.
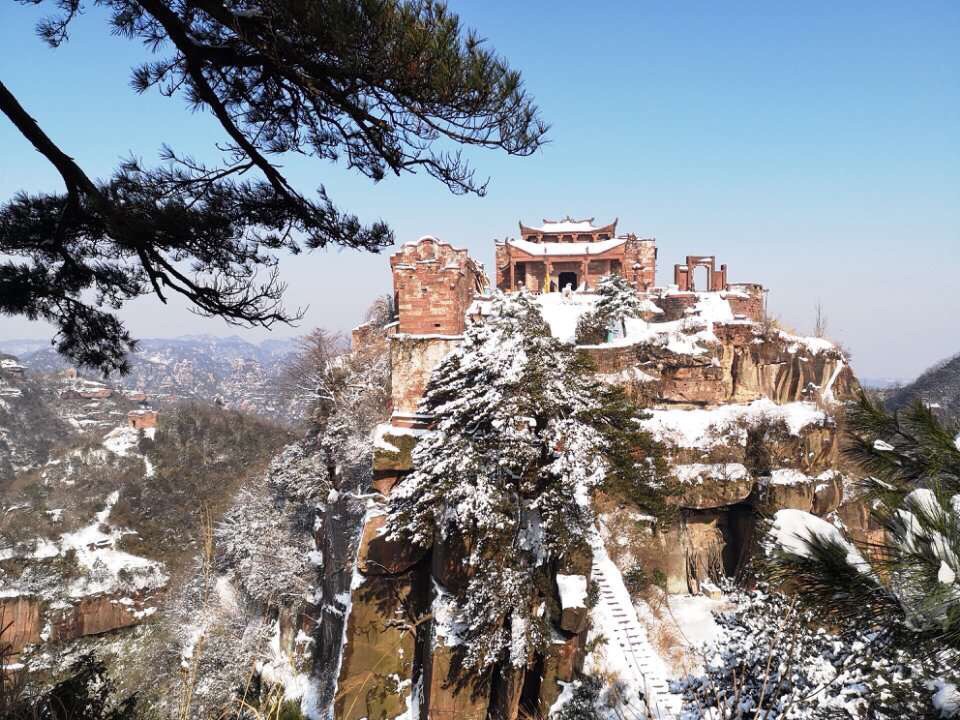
(611, 254)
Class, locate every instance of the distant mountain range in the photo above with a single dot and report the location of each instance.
(238, 373)
(939, 387)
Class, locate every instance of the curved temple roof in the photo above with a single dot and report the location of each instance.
(569, 226)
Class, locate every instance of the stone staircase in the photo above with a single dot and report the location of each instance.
(644, 670)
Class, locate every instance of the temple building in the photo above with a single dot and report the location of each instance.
(575, 254)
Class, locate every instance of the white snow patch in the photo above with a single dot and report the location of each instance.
(562, 312)
(573, 590)
(554, 249)
(383, 429)
(946, 698)
(707, 427)
(699, 472)
(791, 528)
(121, 440)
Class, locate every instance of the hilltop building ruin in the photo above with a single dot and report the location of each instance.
(437, 288)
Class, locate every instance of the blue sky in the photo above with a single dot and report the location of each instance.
(813, 147)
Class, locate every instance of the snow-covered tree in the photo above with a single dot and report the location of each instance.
(908, 583)
(520, 441)
(773, 659)
(581, 701)
(618, 300)
(348, 389)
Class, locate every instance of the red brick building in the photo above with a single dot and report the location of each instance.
(573, 253)
(434, 283)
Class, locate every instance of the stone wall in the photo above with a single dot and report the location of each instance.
(412, 360)
(22, 618)
(640, 263)
(675, 305)
(747, 301)
(94, 616)
(744, 365)
(434, 285)
(392, 643)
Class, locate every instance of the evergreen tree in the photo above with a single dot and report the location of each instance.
(383, 84)
(618, 300)
(906, 587)
(775, 659)
(521, 439)
(584, 702)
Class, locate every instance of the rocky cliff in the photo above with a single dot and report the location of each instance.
(750, 417)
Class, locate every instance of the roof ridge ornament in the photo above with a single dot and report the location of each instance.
(568, 219)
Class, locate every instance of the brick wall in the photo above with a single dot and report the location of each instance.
(434, 284)
(640, 263)
(747, 299)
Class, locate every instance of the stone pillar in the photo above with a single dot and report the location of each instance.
(584, 266)
(513, 275)
(546, 280)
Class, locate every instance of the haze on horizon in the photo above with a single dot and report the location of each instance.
(811, 149)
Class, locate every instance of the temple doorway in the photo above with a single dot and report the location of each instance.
(700, 278)
(568, 278)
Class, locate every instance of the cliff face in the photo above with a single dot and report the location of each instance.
(748, 414)
(742, 362)
(33, 620)
(396, 654)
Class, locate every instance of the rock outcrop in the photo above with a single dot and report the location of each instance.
(21, 621)
(27, 620)
(745, 411)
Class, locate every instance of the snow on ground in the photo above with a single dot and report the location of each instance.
(7, 390)
(95, 552)
(121, 441)
(946, 698)
(43, 550)
(693, 617)
(813, 345)
(691, 335)
(562, 312)
(707, 427)
(788, 476)
(94, 546)
(278, 669)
